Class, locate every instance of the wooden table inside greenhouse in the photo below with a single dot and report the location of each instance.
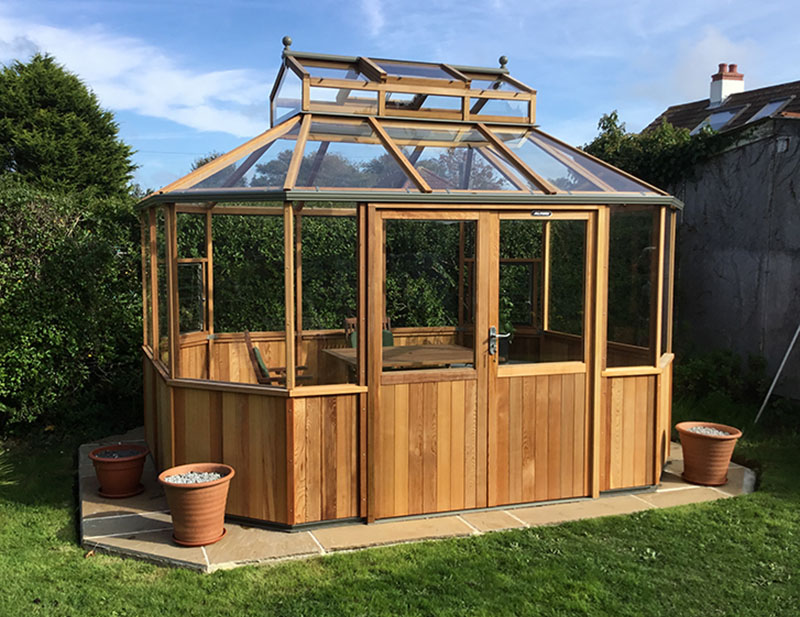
(413, 356)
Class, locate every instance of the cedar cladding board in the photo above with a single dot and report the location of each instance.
(689, 115)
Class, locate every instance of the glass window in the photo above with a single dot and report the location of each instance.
(339, 154)
(191, 235)
(334, 72)
(487, 82)
(148, 281)
(426, 295)
(632, 277)
(544, 163)
(613, 179)
(288, 98)
(248, 273)
(329, 338)
(191, 297)
(522, 291)
(343, 100)
(717, 120)
(666, 343)
(403, 69)
(501, 107)
(408, 101)
(161, 282)
(265, 167)
(769, 109)
(458, 158)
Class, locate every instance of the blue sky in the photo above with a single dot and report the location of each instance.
(185, 78)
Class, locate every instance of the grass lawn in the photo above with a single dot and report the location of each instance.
(730, 557)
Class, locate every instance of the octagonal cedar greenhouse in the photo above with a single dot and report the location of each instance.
(404, 298)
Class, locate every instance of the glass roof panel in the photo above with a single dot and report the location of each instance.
(615, 180)
(481, 82)
(500, 107)
(544, 163)
(347, 154)
(455, 158)
(769, 109)
(263, 168)
(335, 72)
(288, 98)
(403, 69)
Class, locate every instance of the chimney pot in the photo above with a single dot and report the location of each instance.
(732, 68)
(723, 68)
(724, 83)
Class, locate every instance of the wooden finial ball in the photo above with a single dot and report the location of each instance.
(287, 42)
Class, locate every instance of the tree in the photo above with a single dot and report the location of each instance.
(54, 133)
(661, 156)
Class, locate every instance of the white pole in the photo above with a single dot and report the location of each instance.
(778, 374)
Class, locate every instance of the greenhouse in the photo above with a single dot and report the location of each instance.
(404, 298)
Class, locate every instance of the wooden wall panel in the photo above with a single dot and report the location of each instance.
(426, 449)
(194, 361)
(164, 452)
(663, 418)
(628, 432)
(537, 451)
(326, 480)
(245, 431)
(150, 409)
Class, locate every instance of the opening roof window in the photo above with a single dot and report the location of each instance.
(769, 109)
(334, 71)
(717, 120)
(404, 69)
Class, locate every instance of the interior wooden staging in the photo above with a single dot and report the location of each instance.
(408, 442)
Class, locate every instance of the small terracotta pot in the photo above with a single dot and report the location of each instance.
(706, 457)
(198, 510)
(119, 477)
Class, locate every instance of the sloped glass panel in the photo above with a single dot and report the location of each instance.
(409, 101)
(335, 72)
(288, 98)
(615, 180)
(500, 107)
(428, 71)
(347, 155)
(457, 158)
(485, 82)
(543, 163)
(769, 109)
(265, 167)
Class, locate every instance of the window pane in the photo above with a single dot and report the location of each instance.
(567, 259)
(543, 163)
(191, 235)
(615, 180)
(347, 155)
(425, 281)
(191, 297)
(667, 306)
(332, 72)
(500, 107)
(632, 269)
(148, 281)
(343, 100)
(288, 97)
(248, 273)
(429, 71)
(161, 281)
(329, 262)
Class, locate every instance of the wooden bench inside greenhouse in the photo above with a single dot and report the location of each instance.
(526, 288)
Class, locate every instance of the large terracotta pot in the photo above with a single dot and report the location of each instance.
(198, 510)
(119, 477)
(706, 457)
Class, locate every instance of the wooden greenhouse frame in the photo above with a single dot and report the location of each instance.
(345, 428)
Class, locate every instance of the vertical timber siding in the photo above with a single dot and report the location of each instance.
(538, 440)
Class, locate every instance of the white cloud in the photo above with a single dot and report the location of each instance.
(373, 10)
(127, 74)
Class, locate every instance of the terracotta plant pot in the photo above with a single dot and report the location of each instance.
(706, 457)
(119, 477)
(198, 510)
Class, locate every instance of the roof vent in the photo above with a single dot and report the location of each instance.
(725, 82)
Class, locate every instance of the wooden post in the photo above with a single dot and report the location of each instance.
(172, 290)
(600, 318)
(361, 371)
(288, 270)
(487, 271)
(374, 347)
(210, 294)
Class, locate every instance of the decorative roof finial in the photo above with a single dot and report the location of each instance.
(503, 61)
(287, 42)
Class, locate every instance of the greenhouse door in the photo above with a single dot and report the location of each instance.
(539, 343)
(460, 417)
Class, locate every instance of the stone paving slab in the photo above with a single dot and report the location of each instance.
(141, 527)
(574, 511)
(349, 537)
(695, 494)
(493, 520)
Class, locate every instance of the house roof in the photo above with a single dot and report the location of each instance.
(740, 109)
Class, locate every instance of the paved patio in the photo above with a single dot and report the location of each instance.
(140, 526)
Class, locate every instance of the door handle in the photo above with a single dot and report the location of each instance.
(493, 336)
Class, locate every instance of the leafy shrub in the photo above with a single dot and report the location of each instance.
(70, 305)
(723, 372)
